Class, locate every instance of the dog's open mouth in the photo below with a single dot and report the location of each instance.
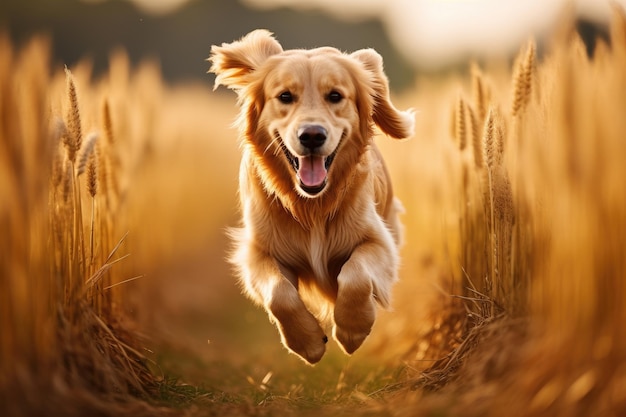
(312, 170)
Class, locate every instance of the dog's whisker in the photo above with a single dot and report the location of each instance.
(274, 141)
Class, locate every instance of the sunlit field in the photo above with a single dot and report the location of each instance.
(116, 299)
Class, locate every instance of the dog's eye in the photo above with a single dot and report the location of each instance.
(285, 97)
(334, 97)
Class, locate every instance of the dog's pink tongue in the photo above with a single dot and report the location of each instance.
(312, 170)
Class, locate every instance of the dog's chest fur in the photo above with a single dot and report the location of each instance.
(321, 260)
(314, 255)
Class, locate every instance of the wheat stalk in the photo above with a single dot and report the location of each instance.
(529, 70)
(107, 123)
(73, 138)
(461, 127)
(479, 94)
(523, 80)
(488, 140)
(490, 165)
(86, 153)
(109, 161)
(92, 186)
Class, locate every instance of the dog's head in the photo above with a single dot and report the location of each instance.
(308, 114)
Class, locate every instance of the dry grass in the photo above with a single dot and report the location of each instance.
(514, 269)
(542, 230)
(63, 346)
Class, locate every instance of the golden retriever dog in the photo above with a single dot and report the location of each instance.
(320, 223)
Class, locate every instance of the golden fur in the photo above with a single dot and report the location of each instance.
(319, 214)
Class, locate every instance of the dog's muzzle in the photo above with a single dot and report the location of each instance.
(312, 168)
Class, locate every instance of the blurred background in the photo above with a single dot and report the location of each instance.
(180, 155)
(426, 35)
(187, 185)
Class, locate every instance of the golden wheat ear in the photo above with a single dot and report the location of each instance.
(234, 62)
(397, 124)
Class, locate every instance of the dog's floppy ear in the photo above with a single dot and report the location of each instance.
(234, 62)
(397, 124)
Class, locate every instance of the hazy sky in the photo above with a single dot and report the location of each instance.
(437, 32)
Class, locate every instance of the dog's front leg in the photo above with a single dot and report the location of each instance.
(276, 289)
(365, 278)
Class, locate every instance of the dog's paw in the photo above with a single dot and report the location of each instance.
(305, 339)
(300, 331)
(353, 324)
(348, 340)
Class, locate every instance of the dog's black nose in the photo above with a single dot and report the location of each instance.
(312, 136)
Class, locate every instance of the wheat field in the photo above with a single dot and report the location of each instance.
(115, 297)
